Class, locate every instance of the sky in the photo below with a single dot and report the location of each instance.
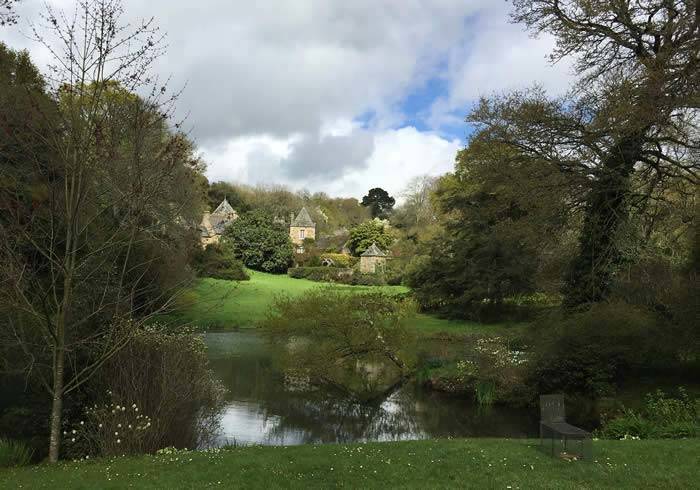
(331, 95)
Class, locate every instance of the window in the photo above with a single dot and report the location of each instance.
(301, 234)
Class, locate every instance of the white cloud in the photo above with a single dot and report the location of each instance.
(275, 89)
(497, 57)
(396, 156)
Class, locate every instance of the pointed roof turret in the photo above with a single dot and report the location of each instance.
(373, 251)
(224, 208)
(303, 219)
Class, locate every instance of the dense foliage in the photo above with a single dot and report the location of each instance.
(159, 393)
(218, 262)
(379, 202)
(662, 417)
(365, 234)
(260, 242)
(493, 211)
(356, 342)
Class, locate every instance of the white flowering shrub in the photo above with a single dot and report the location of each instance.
(162, 393)
(109, 429)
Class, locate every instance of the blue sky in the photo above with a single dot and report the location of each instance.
(330, 95)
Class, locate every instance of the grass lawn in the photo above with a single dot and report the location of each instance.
(220, 305)
(459, 463)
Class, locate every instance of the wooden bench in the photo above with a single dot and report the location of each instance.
(572, 442)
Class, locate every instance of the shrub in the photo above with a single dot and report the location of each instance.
(360, 279)
(260, 242)
(365, 234)
(218, 262)
(663, 417)
(14, 453)
(588, 352)
(339, 260)
(164, 390)
(357, 342)
(322, 274)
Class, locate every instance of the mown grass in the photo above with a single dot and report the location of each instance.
(225, 305)
(219, 304)
(460, 463)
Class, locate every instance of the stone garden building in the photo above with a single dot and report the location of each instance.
(301, 227)
(214, 224)
(372, 260)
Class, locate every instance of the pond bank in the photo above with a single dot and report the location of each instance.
(471, 463)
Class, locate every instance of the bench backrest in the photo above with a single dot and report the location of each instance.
(552, 408)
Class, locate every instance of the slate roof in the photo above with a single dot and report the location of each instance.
(373, 251)
(303, 219)
(224, 208)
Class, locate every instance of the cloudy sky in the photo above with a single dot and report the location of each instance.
(332, 95)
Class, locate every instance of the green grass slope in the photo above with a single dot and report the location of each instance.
(221, 305)
(462, 463)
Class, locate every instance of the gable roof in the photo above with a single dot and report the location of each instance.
(224, 208)
(373, 251)
(303, 219)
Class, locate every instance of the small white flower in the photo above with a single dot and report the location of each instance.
(82, 423)
(119, 441)
(116, 433)
(73, 431)
(100, 426)
(72, 439)
(119, 425)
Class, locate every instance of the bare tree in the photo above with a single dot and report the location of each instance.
(7, 14)
(74, 286)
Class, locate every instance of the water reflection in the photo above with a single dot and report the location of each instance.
(261, 409)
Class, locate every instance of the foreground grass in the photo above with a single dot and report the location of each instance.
(225, 305)
(463, 463)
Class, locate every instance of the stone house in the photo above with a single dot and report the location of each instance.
(301, 227)
(372, 260)
(214, 224)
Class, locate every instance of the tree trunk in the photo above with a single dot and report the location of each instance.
(57, 403)
(593, 269)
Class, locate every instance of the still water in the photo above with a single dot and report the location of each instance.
(260, 409)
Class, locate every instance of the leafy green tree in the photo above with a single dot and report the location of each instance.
(364, 234)
(493, 212)
(633, 113)
(333, 333)
(379, 202)
(260, 242)
(218, 262)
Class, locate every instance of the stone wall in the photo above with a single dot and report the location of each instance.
(370, 265)
(295, 233)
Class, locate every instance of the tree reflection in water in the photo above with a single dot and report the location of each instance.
(262, 410)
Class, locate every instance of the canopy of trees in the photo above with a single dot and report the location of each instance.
(100, 197)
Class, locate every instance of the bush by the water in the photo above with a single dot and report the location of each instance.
(14, 453)
(589, 352)
(663, 417)
(359, 343)
(218, 262)
(493, 372)
(161, 393)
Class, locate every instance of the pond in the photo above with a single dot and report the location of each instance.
(261, 409)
